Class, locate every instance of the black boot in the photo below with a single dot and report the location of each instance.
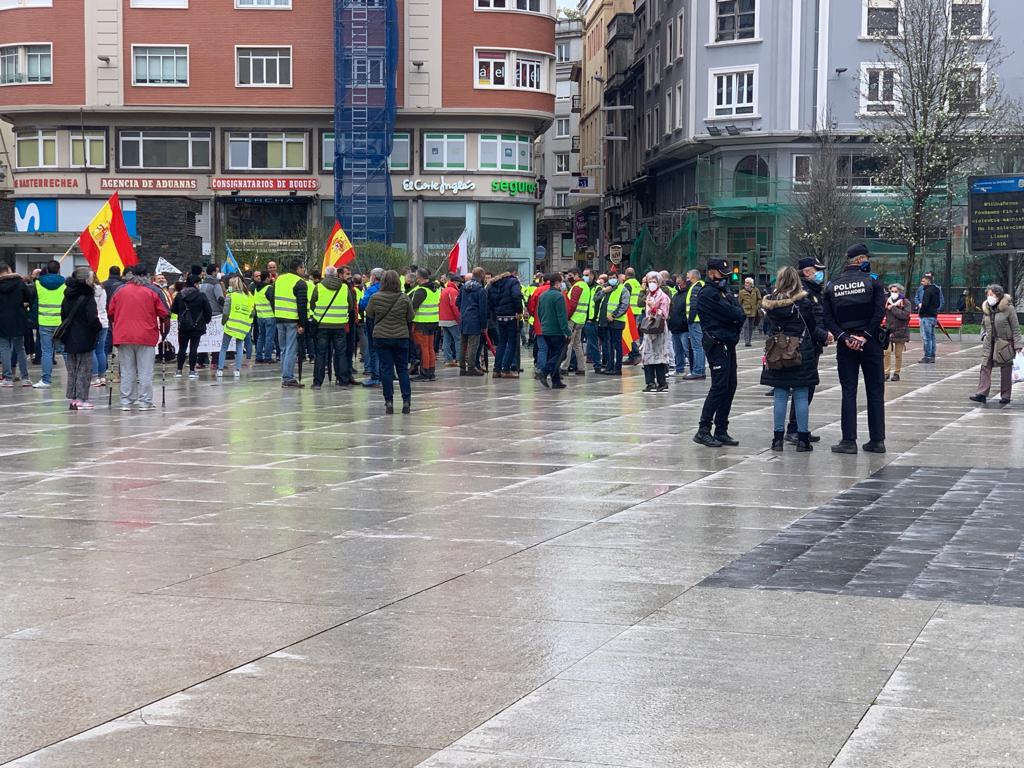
(791, 435)
(803, 442)
(406, 406)
(723, 436)
(705, 438)
(389, 407)
(979, 399)
(779, 440)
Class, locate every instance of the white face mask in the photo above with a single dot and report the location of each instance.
(653, 287)
(894, 294)
(992, 301)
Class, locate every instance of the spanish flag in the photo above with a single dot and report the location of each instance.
(630, 333)
(105, 241)
(339, 249)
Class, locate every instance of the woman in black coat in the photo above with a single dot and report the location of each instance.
(80, 313)
(788, 311)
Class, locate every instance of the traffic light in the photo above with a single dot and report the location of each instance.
(735, 274)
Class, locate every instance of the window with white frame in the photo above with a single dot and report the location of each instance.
(6, 5)
(563, 52)
(966, 90)
(670, 110)
(879, 88)
(532, 6)
(679, 105)
(88, 149)
(648, 72)
(507, 152)
(656, 137)
(159, 4)
(401, 152)
(160, 65)
(735, 20)
(670, 40)
(657, 60)
(264, 67)
(511, 69)
(271, 4)
(561, 162)
(562, 127)
(734, 93)
(529, 73)
(327, 150)
(492, 69)
(680, 37)
(367, 70)
(266, 151)
(26, 64)
(444, 151)
(561, 199)
(969, 17)
(882, 18)
(801, 169)
(37, 149)
(164, 150)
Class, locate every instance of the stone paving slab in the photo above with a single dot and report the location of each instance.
(506, 579)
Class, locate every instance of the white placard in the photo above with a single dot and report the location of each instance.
(211, 339)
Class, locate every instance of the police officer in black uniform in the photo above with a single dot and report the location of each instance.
(812, 275)
(721, 318)
(854, 304)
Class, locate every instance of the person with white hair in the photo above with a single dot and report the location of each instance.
(656, 346)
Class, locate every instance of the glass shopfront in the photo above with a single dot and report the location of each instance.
(265, 218)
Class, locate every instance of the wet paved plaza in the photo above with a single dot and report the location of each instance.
(510, 578)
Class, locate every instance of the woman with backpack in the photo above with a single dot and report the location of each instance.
(791, 360)
(193, 312)
(80, 327)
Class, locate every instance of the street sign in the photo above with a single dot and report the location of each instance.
(996, 213)
(541, 253)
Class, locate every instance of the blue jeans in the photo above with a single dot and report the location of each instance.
(12, 350)
(542, 353)
(99, 354)
(696, 335)
(593, 344)
(265, 343)
(226, 342)
(248, 345)
(505, 354)
(451, 341)
(800, 403)
(372, 359)
(681, 348)
(928, 335)
(49, 346)
(288, 338)
(393, 356)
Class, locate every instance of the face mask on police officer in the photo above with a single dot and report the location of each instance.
(865, 266)
(819, 277)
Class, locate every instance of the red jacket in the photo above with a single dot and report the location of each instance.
(531, 306)
(137, 315)
(449, 311)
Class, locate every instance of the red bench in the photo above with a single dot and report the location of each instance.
(949, 322)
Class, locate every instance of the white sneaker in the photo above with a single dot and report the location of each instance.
(41, 385)
(671, 372)
(147, 407)
(177, 374)
(220, 373)
(126, 406)
(193, 375)
(26, 382)
(7, 384)
(238, 374)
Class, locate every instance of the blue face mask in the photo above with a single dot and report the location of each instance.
(819, 277)
(865, 267)
(586, 279)
(613, 281)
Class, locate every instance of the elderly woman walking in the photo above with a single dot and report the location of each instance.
(1000, 340)
(656, 346)
(897, 321)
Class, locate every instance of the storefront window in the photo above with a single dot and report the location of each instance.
(265, 218)
(506, 226)
(443, 223)
(400, 234)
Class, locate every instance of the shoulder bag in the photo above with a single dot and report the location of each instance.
(782, 351)
(652, 325)
(65, 324)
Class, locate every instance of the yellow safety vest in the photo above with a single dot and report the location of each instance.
(583, 305)
(430, 310)
(613, 302)
(337, 314)
(689, 296)
(239, 321)
(50, 300)
(359, 300)
(634, 292)
(263, 308)
(285, 305)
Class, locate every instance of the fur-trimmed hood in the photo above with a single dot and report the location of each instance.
(1004, 305)
(778, 302)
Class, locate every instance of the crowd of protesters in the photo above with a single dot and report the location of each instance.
(402, 326)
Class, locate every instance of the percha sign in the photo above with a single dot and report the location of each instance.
(513, 188)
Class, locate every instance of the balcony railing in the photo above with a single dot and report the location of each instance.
(576, 144)
(577, 105)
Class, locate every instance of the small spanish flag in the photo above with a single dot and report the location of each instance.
(630, 333)
(339, 249)
(105, 241)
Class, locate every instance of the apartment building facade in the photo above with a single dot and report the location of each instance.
(213, 120)
(557, 153)
(733, 91)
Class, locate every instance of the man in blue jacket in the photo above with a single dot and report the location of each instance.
(721, 318)
(472, 304)
(505, 303)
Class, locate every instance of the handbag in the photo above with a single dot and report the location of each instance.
(65, 324)
(884, 337)
(782, 351)
(1003, 352)
(652, 325)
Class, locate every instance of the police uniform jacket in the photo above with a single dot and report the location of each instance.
(721, 316)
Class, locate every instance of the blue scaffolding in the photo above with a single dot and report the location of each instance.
(365, 67)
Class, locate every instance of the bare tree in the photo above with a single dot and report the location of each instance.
(939, 109)
(823, 206)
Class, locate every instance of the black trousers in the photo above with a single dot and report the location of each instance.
(654, 375)
(851, 364)
(330, 346)
(721, 359)
(188, 344)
